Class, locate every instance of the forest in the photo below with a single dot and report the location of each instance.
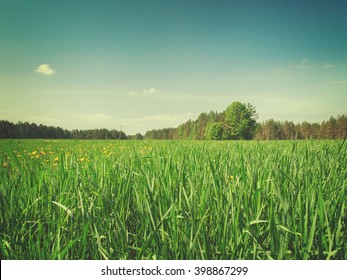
(33, 131)
(237, 122)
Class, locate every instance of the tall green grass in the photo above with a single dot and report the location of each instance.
(173, 200)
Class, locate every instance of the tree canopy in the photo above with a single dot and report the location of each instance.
(240, 121)
(236, 122)
(32, 130)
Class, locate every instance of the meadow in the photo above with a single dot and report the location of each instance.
(73, 199)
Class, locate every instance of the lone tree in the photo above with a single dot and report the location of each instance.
(237, 122)
(240, 121)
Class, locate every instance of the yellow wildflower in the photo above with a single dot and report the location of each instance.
(229, 178)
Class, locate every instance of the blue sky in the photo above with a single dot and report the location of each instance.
(150, 64)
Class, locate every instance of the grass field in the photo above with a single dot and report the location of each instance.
(173, 199)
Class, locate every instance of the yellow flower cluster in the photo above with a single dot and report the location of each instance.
(42, 154)
(146, 150)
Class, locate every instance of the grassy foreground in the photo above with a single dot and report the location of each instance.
(173, 199)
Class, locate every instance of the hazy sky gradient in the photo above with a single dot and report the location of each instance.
(157, 63)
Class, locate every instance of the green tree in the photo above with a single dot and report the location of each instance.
(341, 126)
(214, 131)
(289, 131)
(240, 121)
(270, 130)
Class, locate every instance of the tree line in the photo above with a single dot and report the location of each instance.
(34, 131)
(334, 128)
(236, 122)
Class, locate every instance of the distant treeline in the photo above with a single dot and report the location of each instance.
(234, 123)
(34, 131)
(334, 128)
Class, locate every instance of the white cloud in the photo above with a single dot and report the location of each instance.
(45, 69)
(328, 66)
(339, 82)
(149, 91)
(302, 64)
(305, 64)
(304, 61)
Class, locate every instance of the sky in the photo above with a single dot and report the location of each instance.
(138, 65)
